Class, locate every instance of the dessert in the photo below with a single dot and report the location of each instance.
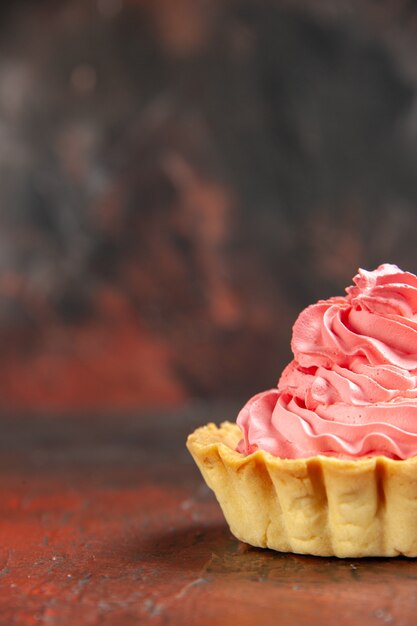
(326, 462)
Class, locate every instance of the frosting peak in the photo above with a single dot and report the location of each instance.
(385, 290)
(351, 389)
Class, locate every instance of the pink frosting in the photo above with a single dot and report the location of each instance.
(351, 390)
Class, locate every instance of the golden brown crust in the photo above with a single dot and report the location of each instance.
(321, 505)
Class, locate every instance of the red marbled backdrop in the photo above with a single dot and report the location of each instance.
(179, 178)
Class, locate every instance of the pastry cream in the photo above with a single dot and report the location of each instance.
(351, 390)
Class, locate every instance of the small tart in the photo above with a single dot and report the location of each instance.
(321, 505)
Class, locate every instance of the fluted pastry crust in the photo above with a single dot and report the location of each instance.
(321, 505)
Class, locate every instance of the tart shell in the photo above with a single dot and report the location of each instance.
(321, 505)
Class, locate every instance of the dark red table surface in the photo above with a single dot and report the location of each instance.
(107, 521)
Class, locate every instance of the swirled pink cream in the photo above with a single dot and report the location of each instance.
(351, 390)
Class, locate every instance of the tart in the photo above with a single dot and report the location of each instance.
(326, 463)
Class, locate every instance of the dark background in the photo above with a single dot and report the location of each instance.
(178, 178)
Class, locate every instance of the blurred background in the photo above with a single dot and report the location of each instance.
(179, 178)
